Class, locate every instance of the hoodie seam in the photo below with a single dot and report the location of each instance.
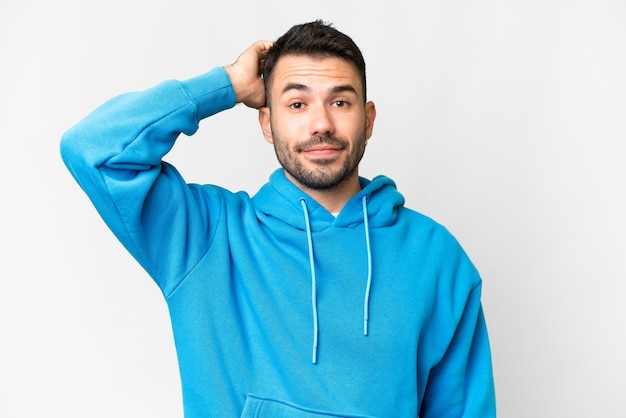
(186, 276)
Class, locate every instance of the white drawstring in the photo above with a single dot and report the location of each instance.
(368, 287)
(313, 279)
(366, 302)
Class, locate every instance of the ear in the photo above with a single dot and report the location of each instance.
(266, 126)
(370, 115)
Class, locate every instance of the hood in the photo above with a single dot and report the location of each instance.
(280, 199)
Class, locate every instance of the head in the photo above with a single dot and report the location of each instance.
(318, 40)
(316, 112)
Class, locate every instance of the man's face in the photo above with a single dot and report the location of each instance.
(317, 120)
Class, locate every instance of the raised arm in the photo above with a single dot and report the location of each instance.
(115, 154)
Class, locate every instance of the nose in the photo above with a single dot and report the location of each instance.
(321, 122)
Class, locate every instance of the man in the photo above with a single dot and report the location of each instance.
(320, 296)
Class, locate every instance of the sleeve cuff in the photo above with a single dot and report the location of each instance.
(211, 92)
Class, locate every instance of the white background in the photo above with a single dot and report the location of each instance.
(503, 120)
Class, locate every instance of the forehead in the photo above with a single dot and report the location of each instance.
(314, 72)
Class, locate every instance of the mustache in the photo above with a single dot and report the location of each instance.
(324, 139)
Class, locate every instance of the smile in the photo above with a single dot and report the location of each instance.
(322, 151)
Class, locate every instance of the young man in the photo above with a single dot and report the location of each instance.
(320, 296)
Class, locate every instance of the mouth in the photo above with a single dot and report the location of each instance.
(322, 147)
(322, 152)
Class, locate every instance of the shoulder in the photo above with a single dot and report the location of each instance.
(424, 224)
(437, 243)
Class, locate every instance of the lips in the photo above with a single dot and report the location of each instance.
(326, 154)
(322, 144)
(321, 152)
(321, 148)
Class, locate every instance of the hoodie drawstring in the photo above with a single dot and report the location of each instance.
(368, 286)
(366, 302)
(313, 279)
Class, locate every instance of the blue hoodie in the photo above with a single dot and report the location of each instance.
(279, 308)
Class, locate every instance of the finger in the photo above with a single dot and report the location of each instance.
(263, 47)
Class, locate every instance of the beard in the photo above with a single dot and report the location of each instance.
(322, 176)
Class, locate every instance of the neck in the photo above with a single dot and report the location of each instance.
(334, 198)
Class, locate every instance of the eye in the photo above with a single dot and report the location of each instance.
(296, 105)
(340, 103)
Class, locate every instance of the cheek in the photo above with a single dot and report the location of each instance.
(353, 128)
(288, 126)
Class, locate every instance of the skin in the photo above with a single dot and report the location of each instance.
(317, 120)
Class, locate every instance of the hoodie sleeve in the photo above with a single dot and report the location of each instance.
(461, 384)
(115, 155)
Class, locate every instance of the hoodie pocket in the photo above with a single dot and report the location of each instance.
(256, 407)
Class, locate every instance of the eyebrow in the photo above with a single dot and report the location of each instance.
(301, 87)
(344, 88)
(294, 86)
